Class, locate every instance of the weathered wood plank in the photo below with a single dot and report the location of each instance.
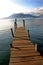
(23, 51)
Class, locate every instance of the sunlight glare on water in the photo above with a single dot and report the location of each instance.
(5, 24)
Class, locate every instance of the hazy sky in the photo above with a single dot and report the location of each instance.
(8, 7)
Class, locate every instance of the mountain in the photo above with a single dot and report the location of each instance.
(41, 16)
(20, 15)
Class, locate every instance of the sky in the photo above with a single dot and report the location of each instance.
(8, 7)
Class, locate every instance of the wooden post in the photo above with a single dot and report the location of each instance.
(24, 23)
(15, 25)
(11, 45)
(35, 47)
(12, 32)
(12, 36)
(28, 34)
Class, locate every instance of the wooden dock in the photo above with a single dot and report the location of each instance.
(23, 52)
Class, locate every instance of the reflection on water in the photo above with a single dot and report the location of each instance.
(5, 24)
(5, 40)
(36, 30)
(35, 27)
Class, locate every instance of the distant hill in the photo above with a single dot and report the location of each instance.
(20, 15)
(41, 16)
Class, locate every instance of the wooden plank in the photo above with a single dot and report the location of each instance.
(29, 63)
(23, 51)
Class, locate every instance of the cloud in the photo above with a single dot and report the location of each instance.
(37, 11)
(7, 8)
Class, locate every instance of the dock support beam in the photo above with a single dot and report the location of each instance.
(12, 32)
(35, 47)
(24, 23)
(12, 36)
(28, 34)
(15, 25)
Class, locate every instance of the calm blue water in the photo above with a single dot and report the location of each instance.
(5, 40)
(35, 27)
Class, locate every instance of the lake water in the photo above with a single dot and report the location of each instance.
(35, 27)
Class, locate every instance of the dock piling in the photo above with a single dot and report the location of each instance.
(28, 34)
(24, 23)
(15, 25)
(35, 47)
(12, 32)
